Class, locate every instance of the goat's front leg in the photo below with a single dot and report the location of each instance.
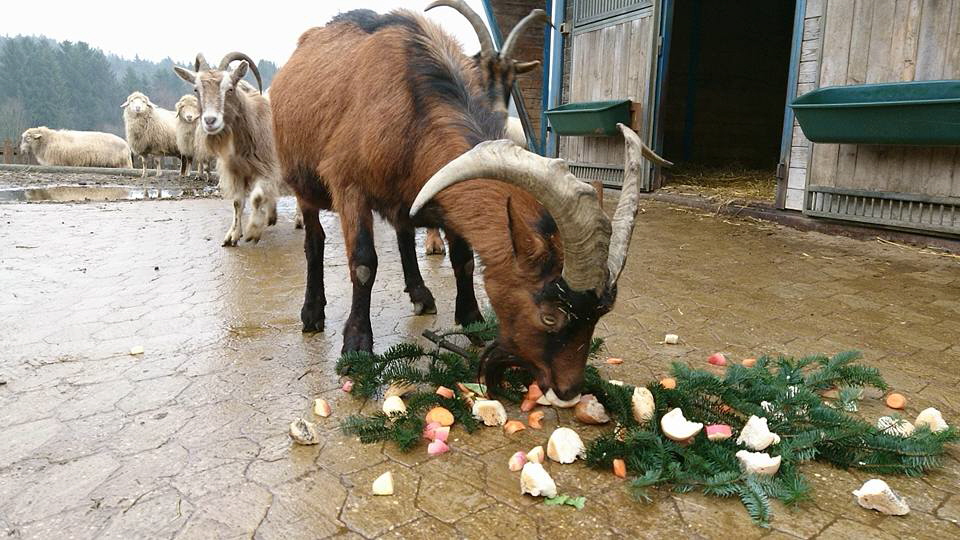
(433, 245)
(461, 257)
(263, 210)
(159, 162)
(298, 219)
(184, 167)
(315, 299)
(356, 218)
(420, 295)
(143, 166)
(234, 234)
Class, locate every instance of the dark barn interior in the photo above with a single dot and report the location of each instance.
(727, 82)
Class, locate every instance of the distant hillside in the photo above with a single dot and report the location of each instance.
(67, 85)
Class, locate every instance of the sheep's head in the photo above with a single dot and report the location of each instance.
(566, 262)
(215, 88)
(137, 103)
(497, 70)
(31, 139)
(188, 109)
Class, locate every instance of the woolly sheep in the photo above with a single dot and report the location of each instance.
(76, 148)
(151, 130)
(188, 114)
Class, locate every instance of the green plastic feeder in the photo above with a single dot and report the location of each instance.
(923, 113)
(593, 119)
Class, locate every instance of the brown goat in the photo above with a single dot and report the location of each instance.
(236, 128)
(366, 112)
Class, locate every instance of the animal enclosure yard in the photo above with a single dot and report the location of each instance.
(189, 439)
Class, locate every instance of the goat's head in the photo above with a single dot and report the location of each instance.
(188, 109)
(498, 70)
(32, 138)
(216, 88)
(566, 264)
(137, 103)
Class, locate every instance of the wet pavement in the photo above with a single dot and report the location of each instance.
(190, 440)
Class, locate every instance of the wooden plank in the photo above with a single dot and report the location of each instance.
(815, 8)
(939, 180)
(934, 35)
(951, 68)
(878, 67)
(837, 32)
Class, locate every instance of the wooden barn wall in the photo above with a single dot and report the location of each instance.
(875, 41)
(530, 47)
(608, 63)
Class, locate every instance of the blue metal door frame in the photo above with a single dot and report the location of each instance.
(788, 116)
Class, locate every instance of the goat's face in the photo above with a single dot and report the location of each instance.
(214, 88)
(497, 75)
(137, 104)
(545, 327)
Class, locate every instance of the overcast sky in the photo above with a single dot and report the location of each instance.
(180, 28)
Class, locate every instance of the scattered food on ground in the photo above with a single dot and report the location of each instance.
(303, 432)
(565, 446)
(876, 495)
(321, 408)
(896, 401)
(536, 481)
(535, 419)
(383, 485)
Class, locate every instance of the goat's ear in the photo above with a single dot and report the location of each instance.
(185, 74)
(239, 71)
(524, 67)
(529, 247)
(125, 104)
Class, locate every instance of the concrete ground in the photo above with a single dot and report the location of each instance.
(190, 440)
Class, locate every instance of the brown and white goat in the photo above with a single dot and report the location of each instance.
(366, 112)
(236, 127)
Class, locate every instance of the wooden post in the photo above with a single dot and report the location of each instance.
(598, 185)
(636, 116)
(7, 152)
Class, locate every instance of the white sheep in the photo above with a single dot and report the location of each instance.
(151, 130)
(76, 148)
(188, 114)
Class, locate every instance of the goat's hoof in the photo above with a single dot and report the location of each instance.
(423, 301)
(313, 318)
(357, 342)
(232, 239)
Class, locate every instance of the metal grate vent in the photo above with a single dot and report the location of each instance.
(588, 11)
(610, 176)
(899, 210)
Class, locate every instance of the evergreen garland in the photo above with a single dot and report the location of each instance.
(783, 390)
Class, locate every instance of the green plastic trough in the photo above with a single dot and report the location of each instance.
(912, 113)
(593, 119)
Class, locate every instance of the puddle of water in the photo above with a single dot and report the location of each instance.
(97, 193)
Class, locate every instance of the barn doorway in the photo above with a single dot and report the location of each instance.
(725, 92)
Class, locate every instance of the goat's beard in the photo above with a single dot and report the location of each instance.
(494, 363)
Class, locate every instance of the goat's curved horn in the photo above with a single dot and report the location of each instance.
(584, 228)
(537, 15)
(624, 217)
(200, 63)
(234, 56)
(480, 27)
